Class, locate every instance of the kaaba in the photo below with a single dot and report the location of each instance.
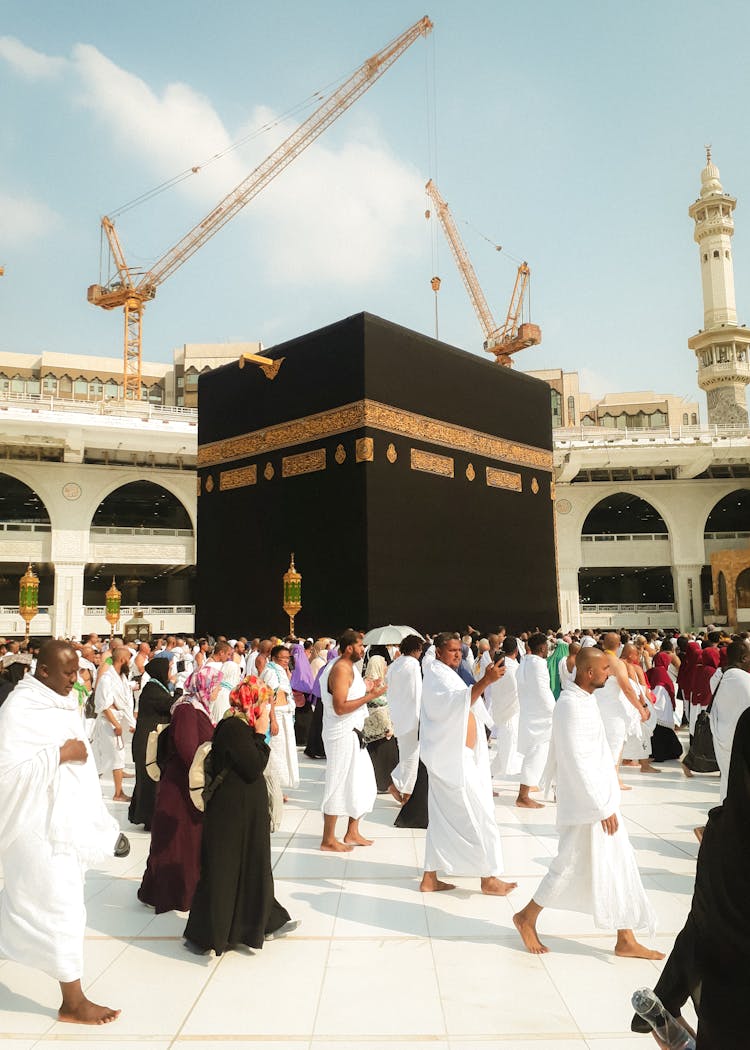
(412, 480)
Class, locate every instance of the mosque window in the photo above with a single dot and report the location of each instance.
(716, 254)
(571, 411)
(17, 385)
(694, 419)
(191, 380)
(707, 357)
(4, 383)
(588, 421)
(741, 353)
(81, 387)
(705, 256)
(659, 419)
(49, 384)
(723, 354)
(96, 388)
(33, 386)
(556, 408)
(726, 254)
(684, 419)
(112, 389)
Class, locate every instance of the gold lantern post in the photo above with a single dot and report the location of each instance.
(28, 598)
(112, 600)
(292, 593)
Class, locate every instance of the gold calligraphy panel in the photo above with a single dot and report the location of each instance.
(431, 463)
(238, 479)
(503, 479)
(303, 463)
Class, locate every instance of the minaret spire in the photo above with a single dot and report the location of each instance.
(721, 347)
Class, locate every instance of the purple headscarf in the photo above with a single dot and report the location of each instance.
(302, 676)
(332, 655)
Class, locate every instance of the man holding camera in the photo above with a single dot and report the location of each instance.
(462, 837)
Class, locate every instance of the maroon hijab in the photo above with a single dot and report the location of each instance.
(690, 662)
(701, 693)
(659, 674)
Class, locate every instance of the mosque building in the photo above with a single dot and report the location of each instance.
(652, 504)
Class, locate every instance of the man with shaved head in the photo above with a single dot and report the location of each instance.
(53, 826)
(621, 706)
(595, 869)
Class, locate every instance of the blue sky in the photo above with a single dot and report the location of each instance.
(570, 133)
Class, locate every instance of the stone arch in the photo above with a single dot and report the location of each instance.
(19, 501)
(142, 503)
(731, 513)
(178, 491)
(623, 512)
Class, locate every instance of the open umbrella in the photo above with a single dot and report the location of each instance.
(391, 634)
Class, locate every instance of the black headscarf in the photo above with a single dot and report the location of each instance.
(158, 668)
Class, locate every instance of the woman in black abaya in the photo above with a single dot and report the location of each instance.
(234, 902)
(154, 705)
(710, 961)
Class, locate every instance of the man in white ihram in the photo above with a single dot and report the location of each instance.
(595, 869)
(462, 834)
(404, 681)
(113, 700)
(350, 788)
(731, 699)
(537, 702)
(53, 826)
(504, 706)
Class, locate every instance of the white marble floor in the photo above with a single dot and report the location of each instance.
(375, 964)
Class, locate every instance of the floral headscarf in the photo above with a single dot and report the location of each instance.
(249, 696)
(200, 687)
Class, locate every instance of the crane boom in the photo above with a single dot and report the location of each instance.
(512, 336)
(463, 262)
(125, 292)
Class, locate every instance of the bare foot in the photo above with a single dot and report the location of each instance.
(431, 884)
(336, 847)
(529, 935)
(698, 832)
(122, 797)
(529, 803)
(495, 887)
(284, 798)
(395, 793)
(625, 787)
(357, 840)
(688, 772)
(86, 1012)
(128, 776)
(633, 950)
(629, 762)
(648, 768)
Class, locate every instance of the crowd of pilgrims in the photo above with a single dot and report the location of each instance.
(259, 702)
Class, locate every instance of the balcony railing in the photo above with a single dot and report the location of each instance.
(597, 434)
(105, 407)
(726, 535)
(123, 530)
(25, 526)
(626, 607)
(127, 611)
(623, 537)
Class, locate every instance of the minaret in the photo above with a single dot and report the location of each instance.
(721, 347)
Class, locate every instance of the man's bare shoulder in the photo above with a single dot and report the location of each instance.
(341, 669)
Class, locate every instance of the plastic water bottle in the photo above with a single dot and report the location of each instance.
(647, 1005)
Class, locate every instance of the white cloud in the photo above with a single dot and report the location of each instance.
(23, 219)
(34, 65)
(335, 215)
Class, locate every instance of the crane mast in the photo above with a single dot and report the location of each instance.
(502, 341)
(132, 293)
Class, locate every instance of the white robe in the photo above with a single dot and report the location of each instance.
(462, 834)
(732, 697)
(231, 676)
(566, 677)
(53, 826)
(618, 715)
(350, 788)
(283, 762)
(404, 679)
(537, 702)
(638, 741)
(593, 872)
(112, 691)
(505, 709)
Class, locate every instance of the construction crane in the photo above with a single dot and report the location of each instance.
(512, 336)
(131, 289)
